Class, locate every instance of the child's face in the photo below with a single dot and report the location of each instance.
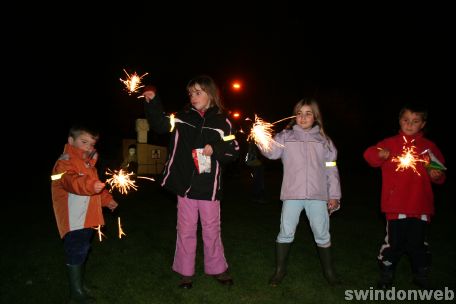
(199, 99)
(411, 123)
(305, 117)
(84, 141)
(132, 151)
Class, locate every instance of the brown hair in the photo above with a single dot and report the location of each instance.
(316, 112)
(209, 86)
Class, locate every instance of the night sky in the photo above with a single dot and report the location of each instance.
(360, 63)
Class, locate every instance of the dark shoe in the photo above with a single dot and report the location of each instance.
(224, 278)
(327, 265)
(421, 278)
(282, 250)
(186, 283)
(385, 281)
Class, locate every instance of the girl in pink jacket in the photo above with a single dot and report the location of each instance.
(310, 183)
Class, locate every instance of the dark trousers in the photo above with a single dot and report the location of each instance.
(257, 182)
(76, 245)
(406, 236)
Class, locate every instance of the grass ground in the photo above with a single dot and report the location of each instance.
(137, 268)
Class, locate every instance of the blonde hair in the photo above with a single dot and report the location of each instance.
(209, 86)
(318, 120)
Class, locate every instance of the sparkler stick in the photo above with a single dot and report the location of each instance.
(121, 232)
(284, 119)
(133, 82)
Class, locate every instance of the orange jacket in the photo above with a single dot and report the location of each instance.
(76, 205)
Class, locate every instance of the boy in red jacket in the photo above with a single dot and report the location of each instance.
(77, 198)
(407, 198)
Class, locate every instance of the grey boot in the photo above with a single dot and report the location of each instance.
(327, 265)
(282, 250)
(77, 292)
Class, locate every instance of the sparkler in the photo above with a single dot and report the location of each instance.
(261, 133)
(408, 159)
(121, 232)
(121, 180)
(133, 82)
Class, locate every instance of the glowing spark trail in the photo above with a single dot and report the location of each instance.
(172, 121)
(121, 232)
(144, 177)
(133, 82)
(121, 180)
(100, 234)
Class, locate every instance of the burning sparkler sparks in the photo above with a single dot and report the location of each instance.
(121, 232)
(121, 180)
(261, 133)
(408, 159)
(133, 82)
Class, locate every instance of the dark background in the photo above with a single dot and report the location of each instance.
(361, 62)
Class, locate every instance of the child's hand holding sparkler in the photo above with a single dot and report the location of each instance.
(149, 93)
(383, 153)
(98, 186)
(333, 205)
(112, 205)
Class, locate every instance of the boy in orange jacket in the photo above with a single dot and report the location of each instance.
(77, 197)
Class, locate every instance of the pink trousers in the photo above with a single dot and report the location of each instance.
(187, 223)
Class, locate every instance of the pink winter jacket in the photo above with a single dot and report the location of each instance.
(309, 164)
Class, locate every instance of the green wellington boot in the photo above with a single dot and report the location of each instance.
(282, 250)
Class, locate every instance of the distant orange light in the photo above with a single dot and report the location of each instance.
(236, 86)
(236, 115)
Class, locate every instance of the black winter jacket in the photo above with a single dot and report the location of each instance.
(193, 131)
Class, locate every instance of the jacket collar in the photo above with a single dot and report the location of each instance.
(78, 153)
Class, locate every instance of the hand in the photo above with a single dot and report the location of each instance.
(98, 186)
(383, 153)
(333, 205)
(207, 150)
(112, 205)
(435, 174)
(149, 95)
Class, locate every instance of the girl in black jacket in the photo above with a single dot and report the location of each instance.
(202, 142)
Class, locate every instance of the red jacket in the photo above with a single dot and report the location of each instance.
(76, 205)
(405, 191)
